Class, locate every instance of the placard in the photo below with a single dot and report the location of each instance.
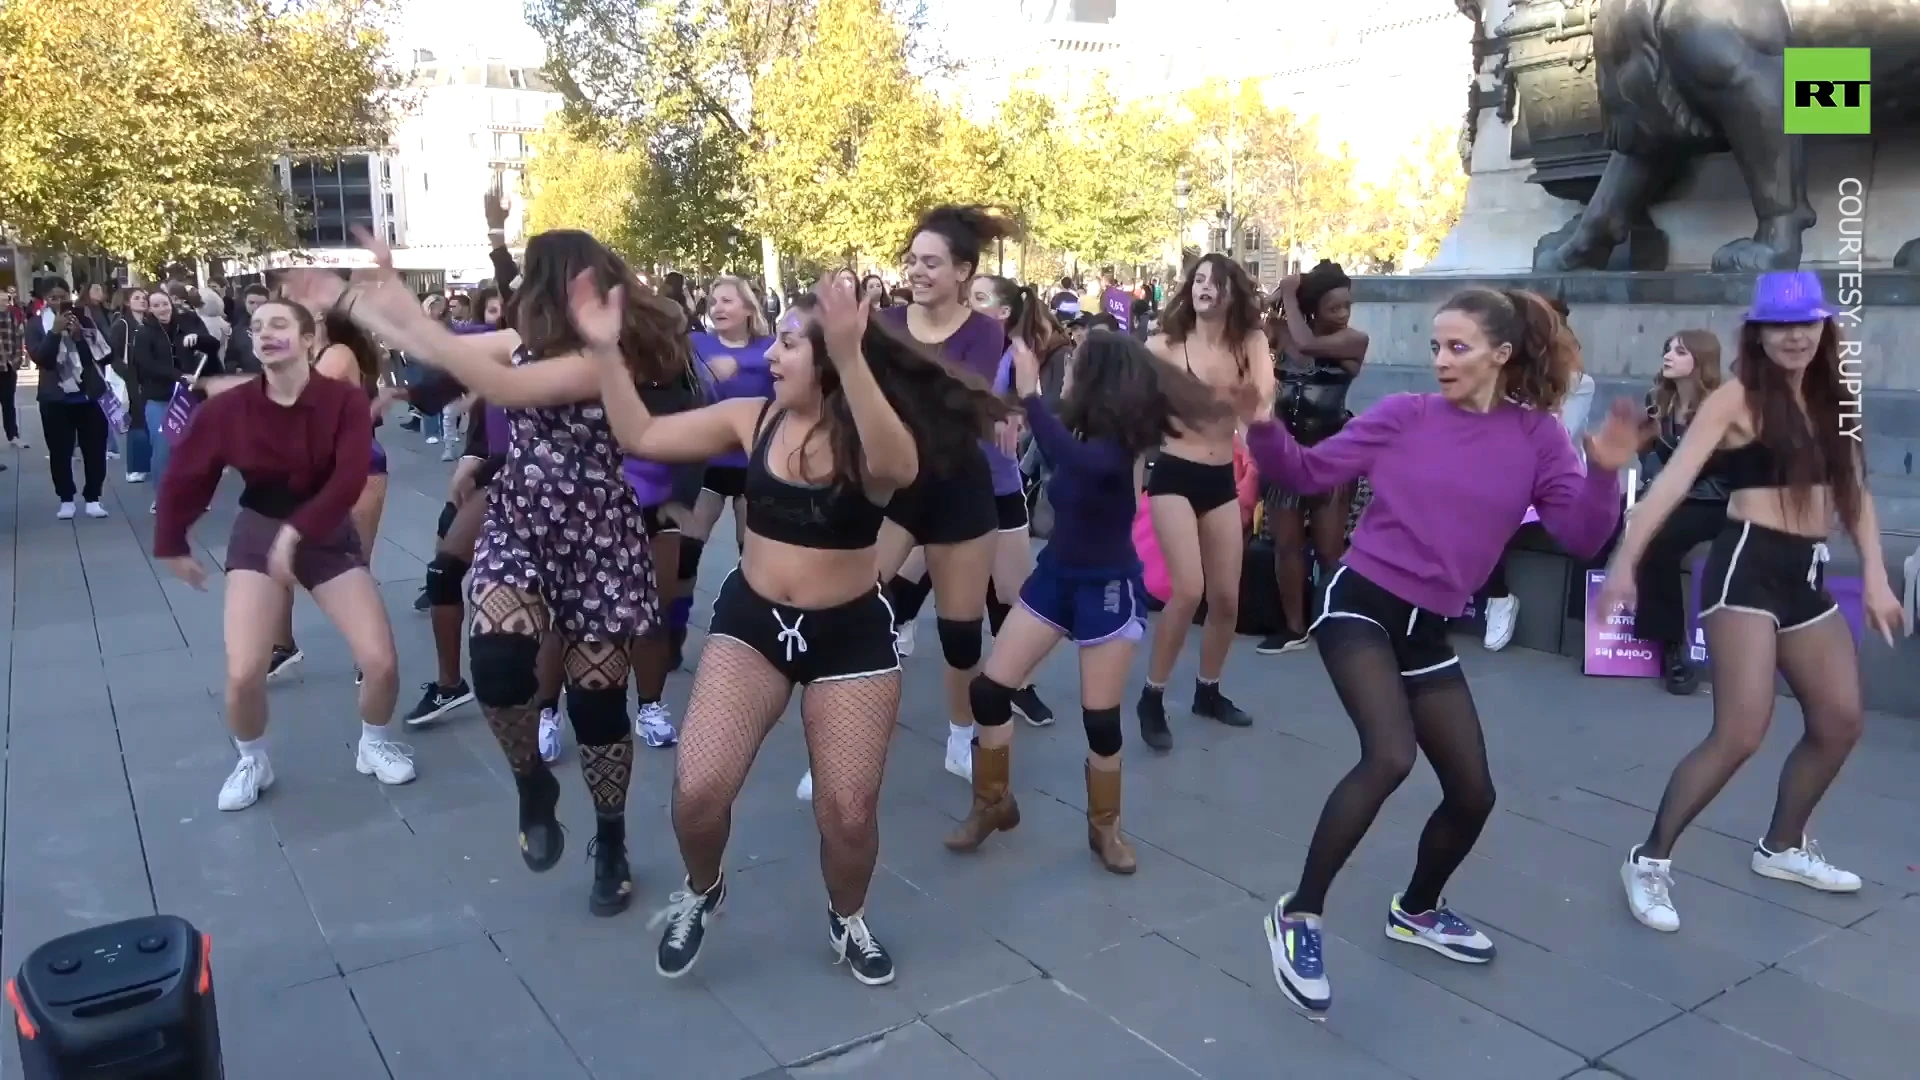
(1612, 650)
(1118, 303)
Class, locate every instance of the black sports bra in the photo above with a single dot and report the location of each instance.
(1749, 466)
(825, 517)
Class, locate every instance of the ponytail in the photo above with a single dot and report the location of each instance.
(1546, 359)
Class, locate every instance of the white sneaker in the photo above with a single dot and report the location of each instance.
(549, 735)
(1649, 885)
(903, 640)
(654, 725)
(95, 510)
(1805, 865)
(433, 440)
(21, 444)
(65, 513)
(805, 791)
(1502, 613)
(250, 777)
(960, 753)
(385, 761)
(136, 478)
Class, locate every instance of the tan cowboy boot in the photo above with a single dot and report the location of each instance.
(1103, 821)
(993, 807)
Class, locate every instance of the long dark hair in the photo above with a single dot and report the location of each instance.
(1243, 307)
(1546, 356)
(653, 337)
(948, 411)
(1118, 390)
(1811, 444)
(342, 330)
(967, 230)
(1704, 347)
(1027, 318)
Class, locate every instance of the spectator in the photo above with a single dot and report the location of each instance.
(126, 336)
(67, 348)
(240, 358)
(13, 353)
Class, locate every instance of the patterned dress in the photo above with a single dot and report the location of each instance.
(563, 524)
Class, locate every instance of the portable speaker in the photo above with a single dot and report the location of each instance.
(130, 1001)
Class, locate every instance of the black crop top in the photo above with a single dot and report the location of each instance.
(825, 517)
(1749, 466)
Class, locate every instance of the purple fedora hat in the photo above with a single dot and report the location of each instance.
(1789, 296)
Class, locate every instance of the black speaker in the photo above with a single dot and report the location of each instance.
(130, 1001)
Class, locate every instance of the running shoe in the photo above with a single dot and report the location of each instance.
(250, 777)
(960, 752)
(853, 942)
(436, 702)
(386, 761)
(421, 602)
(654, 725)
(283, 659)
(1209, 702)
(1028, 706)
(1285, 641)
(805, 791)
(549, 735)
(903, 640)
(1296, 944)
(1440, 930)
(1649, 885)
(686, 916)
(1805, 865)
(1503, 614)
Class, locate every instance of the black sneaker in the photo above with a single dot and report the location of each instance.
(411, 423)
(1681, 677)
(283, 659)
(1285, 641)
(1153, 718)
(1028, 706)
(436, 703)
(542, 840)
(686, 917)
(612, 876)
(421, 603)
(854, 943)
(1209, 702)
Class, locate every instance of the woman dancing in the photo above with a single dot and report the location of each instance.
(855, 409)
(1791, 458)
(1319, 356)
(563, 547)
(1452, 474)
(1119, 403)
(1212, 330)
(300, 444)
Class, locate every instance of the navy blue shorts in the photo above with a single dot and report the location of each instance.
(1087, 610)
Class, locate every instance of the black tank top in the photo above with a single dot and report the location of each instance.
(1749, 466)
(826, 517)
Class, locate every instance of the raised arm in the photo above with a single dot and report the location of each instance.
(1068, 454)
(1346, 346)
(1578, 504)
(891, 457)
(677, 438)
(1309, 470)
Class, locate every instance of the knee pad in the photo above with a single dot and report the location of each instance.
(997, 612)
(1103, 730)
(959, 642)
(504, 665)
(447, 514)
(690, 550)
(445, 574)
(599, 716)
(992, 703)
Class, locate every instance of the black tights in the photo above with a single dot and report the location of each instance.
(737, 698)
(1395, 718)
(1819, 663)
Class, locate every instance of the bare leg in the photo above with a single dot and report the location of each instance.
(255, 605)
(1221, 550)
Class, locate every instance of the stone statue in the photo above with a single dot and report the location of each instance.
(1677, 79)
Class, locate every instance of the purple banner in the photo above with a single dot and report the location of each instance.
(1611, 648)
(1847, 592)
(1119, 304)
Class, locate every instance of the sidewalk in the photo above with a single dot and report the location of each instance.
(364, 932)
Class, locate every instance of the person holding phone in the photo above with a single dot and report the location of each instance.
(69, 349)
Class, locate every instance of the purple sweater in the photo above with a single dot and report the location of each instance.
(1450, 488)
(977, 347)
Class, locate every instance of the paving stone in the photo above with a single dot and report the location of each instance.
(378, 897)
(1831, 1030)
(1692, 1047)
(1042, 1030)
(313, 1031)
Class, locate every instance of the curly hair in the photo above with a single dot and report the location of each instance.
(948, 411)
(1315, 284)
(654, 336)
(1546, 356)
(1118, 390)
(1812, 444)
(1243, 307)
(966, 229)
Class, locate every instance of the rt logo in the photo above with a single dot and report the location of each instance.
(1829, 92)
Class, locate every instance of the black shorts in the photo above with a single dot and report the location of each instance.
(1206, 487)
(727, 481)
(948, 508)
(1012, 511)
(851, 641)
(1352, 604)
(1762, 571)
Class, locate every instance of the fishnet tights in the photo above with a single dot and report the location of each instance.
(606, 766)
(499, 609)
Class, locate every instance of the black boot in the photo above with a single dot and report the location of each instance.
(541, 838)
(612, 876)
(1680, 676)
(1209, 702)
(1153, 718)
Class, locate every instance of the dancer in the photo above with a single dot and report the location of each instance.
(563, 547)
(1689, 372)
(1119, 403)
(1789, 454)
(452, 558)
(855, 409)
(1452, 475)
(1319, 357)
(1212, 330)
(300, 444)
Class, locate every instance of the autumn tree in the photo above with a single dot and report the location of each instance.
(1117, 206)
(149, 132)
(578, 180)
(1401, 220)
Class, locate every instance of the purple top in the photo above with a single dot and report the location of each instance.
(750, 379)
(651, 481)
(1092, 496)
(978, 346)
(1449, 490)
(499, 436)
